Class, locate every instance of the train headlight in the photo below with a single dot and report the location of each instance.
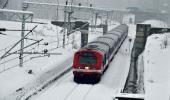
(87, 68)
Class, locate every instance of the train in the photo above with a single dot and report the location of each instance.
(91, 61)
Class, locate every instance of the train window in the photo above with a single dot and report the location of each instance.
(87, 58)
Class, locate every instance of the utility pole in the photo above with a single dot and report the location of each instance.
(83, 27)
(107, 17)
(21, 59)
(96, 16)
(67, 21)
(70, 11)
(65, 24)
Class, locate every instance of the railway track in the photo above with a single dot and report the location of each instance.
(79, 91)
(47, 85)
(67, 89)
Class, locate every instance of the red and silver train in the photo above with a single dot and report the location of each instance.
(91, 61)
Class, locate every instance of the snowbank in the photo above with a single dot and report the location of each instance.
(15, 78)
(156, 62)
(156, 23)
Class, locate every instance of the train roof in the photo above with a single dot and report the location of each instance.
(122, 27)
(107, 41)
(110, 36)
(117, 33)
(97, 46)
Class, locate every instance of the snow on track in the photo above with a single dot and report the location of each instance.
(59, 92)
(80, 92)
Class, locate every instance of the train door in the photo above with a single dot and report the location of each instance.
(104, 60)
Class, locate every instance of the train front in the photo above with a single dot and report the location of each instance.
(87, 66)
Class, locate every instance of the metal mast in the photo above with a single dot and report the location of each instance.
(67, 20)
(22, 37)
(65, 24)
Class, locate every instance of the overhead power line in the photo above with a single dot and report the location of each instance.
(4, 29)
(17, 43)
(2, 33)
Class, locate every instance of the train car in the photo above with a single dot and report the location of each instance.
(91, 61)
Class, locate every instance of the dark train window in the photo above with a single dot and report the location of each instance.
(87, 58)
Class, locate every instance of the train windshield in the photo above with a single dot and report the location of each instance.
(87, 58)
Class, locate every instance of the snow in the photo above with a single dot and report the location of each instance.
(156, 23)
(9, 84)
(16, 11)
(156, 62)
(101, 93)
(132, 31)
(17, 77)
(73, 91)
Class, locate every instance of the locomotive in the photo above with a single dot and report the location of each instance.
(92, 60)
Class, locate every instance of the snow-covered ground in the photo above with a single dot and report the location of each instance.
(16, 77)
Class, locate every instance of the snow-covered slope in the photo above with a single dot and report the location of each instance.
(156, 23)
(16, 77)
(157, 67)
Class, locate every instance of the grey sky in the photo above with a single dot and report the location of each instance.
(143, 4)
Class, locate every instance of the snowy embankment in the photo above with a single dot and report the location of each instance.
(157, 67)
(156, 64)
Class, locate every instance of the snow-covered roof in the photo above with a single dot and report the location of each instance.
(156, 23)
(16, 11)
(132, 96)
